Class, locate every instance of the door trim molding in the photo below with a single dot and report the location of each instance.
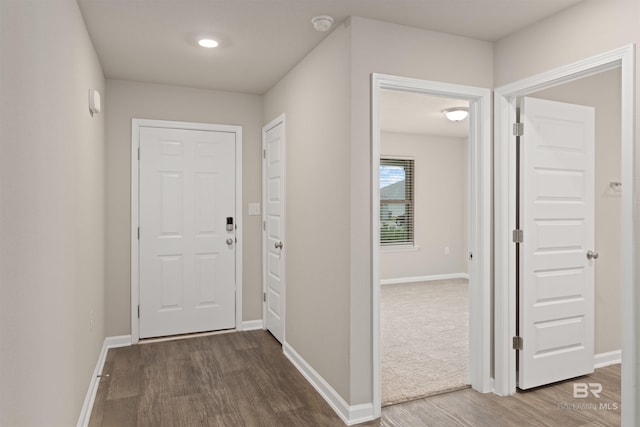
(273, 123)
(504, 178)
(136, 124)
(479, 221)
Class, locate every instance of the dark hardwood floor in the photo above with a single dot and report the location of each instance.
(243, 379)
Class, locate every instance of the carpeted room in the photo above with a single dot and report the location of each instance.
(424, 301)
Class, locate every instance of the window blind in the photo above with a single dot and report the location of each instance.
(396, 201)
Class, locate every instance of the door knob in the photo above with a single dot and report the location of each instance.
(278, 245)
(229, 241)
(592, 254)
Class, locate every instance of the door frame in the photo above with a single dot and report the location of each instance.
(136, 124)
(275, 122)
(479, 221)
(504, 193)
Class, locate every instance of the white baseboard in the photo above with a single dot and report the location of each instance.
(251, 325)
(109, 342)
(606, 359)
(348, 414)
(424, 278)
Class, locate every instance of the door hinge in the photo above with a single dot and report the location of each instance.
(264, 153)
(264, 225)
(518, 343)
(138, 233)
(138, 153)
(518, 129)
(264, 296)
(138, 311)
(518, 236)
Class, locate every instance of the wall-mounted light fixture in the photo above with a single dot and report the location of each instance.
(456, 114)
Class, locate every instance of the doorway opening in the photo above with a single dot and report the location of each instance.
(424, 256)
(478, 226)
(552, 85)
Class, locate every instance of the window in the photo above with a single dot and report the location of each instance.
(396, 201)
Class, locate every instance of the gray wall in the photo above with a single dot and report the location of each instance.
(326, 99)
(52, 231)
(379, 47)
(602, 92)
(440, 204)
(127, 100)
(315, 98)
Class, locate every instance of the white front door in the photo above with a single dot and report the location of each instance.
(187, 251)
(274, 250)
(556, 279)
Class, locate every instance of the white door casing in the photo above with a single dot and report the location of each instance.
(186, 269)
(274, 250)
(556, 316)
(479, 222)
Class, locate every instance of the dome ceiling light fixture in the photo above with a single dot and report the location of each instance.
(322, 23)
(456, 114)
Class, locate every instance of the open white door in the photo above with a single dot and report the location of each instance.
(556, 278)
(274, 209)
(187, 231)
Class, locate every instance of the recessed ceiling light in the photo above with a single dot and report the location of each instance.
(456, 114)
(208, 43)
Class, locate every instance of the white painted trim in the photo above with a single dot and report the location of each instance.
(273, 123)
(136, 124)
(505, 369)
(479, 221)
(430, 278)
(609, 358)
(109, 342)
(348, 414)
(251, 325)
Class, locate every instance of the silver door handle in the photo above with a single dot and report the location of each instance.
(229, 241)
(278, 245)
(592, 255)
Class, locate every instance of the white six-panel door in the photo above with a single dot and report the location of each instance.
(187, 254)
(273, 200)
(556, 281)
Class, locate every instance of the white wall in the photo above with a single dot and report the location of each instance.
(440, 206)
(127, 100)
(52, 226)
(315, 98)
(379, 47)
(602, 92)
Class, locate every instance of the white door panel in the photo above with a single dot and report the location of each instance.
(187, 268)
(273, 199)
(556, 319)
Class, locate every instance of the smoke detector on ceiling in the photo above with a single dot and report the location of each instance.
(322, 22)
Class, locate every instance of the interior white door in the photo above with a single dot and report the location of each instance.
(274, 249)
(187, 252)
(556, 280)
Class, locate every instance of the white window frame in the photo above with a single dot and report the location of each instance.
(411, 243)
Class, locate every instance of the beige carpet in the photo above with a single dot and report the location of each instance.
(425, 339)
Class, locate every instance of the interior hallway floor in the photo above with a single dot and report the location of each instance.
(244, 379)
